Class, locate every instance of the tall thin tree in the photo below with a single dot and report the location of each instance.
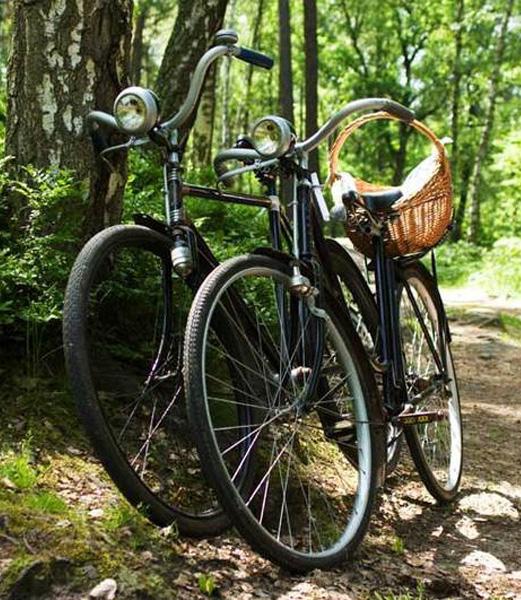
(486, 133)
(285, 67)
(457, 74)
(311, 52)
(285, 80)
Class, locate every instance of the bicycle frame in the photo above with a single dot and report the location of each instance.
(387, 282)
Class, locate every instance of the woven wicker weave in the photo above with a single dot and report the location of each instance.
(421, 218)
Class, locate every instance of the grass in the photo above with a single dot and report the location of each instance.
(16, 469)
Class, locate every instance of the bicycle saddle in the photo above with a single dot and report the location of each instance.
(378, 201)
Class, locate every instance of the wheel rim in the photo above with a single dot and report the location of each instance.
(136, 312)
(440, 441)
(306, 494)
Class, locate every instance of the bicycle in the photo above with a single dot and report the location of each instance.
(124, 317)
(310, 386)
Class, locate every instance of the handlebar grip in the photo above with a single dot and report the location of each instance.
(98, 136)
(398, 110)
(242, 154)
(255, 58)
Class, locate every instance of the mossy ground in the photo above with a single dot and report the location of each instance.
(57, 504)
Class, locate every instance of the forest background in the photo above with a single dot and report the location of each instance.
(455, 62)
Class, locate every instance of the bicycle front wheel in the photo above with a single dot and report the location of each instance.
(124, 320)
(306, 503)
(436, 446)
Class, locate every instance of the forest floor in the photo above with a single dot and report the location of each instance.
(63, 528)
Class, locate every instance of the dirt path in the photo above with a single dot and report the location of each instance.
(415, 550)
(469, 550)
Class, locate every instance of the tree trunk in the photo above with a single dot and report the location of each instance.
(285, 71)
(226, 133)
(138, 46)
(311, 52)
(456, 98)
(68, 58)
(196, 24)
(244, 118)
(202, 136)
(489, 124)
(285, 82)
(466, 173)
(400, 156)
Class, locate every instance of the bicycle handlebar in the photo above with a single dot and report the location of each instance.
(390, 106)
(227, 47)
(233, 154)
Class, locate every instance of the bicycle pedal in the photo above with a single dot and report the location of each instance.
(426, 416)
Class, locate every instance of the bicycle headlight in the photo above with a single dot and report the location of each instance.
(136, 110)
(271, 136)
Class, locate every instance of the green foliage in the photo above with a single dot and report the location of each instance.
(501, 271)
(36, 253)
(496, 269)
(398, 545)
(46, 502)
(457, 262)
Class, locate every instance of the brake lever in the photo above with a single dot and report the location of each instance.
(133, 142)
(247, 169)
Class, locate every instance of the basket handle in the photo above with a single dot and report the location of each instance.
(381, 115)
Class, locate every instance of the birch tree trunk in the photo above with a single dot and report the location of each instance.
(489, 124)
(68, 57)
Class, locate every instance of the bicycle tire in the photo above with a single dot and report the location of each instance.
(419, 279)
(254, 528)
(80, 367)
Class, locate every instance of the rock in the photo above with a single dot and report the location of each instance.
(106, 590)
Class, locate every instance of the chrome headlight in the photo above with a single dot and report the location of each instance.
(136, 110)
(271, 136)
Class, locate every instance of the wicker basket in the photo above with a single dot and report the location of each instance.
(421, 218)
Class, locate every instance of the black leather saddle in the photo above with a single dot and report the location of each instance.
(381, 201)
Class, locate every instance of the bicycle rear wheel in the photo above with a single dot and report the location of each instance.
(124, 319)
(306, 505)
(436, 446)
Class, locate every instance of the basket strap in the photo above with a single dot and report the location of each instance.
(381, 115)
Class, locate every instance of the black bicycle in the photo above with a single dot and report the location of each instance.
(124, 316)
(318, 431)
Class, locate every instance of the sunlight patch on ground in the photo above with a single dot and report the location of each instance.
(483, 560)
(467, 528)
(489, 504)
